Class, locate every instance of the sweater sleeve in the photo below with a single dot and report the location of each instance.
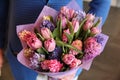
(100, 8)
(57, 4)
(3, 19)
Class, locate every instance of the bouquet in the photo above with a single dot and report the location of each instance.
(61, 42)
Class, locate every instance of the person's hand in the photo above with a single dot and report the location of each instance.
(1, 58)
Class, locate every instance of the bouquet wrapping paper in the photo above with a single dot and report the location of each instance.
(30, 27)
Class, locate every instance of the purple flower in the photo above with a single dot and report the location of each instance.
(79, 15)
(35, 60)
(56, 54)
(91, 48)
(48, 24)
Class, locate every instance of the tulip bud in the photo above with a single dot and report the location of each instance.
(75, 24)
(34, 43)
(68, 58)
(45, 32)
(75, 63)
(63, 20)
(90, 17)
(95, 30)
(64, 37)
(71, 13)
(50, 44)
(77, 44)
(87, 25)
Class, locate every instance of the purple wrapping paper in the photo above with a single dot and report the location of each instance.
(49, 11)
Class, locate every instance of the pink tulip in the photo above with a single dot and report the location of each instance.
(50, 44)
(71, 13)
(75, 24)
(25, 35)
(64, 10)
(64, 37)
(34, 43)
(73, 52)
(68, 58)
(90, 17)
(95, 30)
(87, 25)
(63, 20)
(31, 39)
(77, 44)
(45, 32)
(75, 63)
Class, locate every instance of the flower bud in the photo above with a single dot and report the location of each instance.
(34, 43)
(50, 44)
(90, 17)
(75, 24)
(45, 32)
(87, 25)
(75, 63)
(71, 13)
(77, 44)
(64, 37)
(68, 58)
(95, 30)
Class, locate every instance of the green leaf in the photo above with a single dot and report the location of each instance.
(60, 27)
(63, 48)
(87, 34)
(70, 26)
(40, 36)
(40, 50)
(69, 37)
(56, 32)
(45, 50)
(60, 43)
(80, 28)
(97, 23)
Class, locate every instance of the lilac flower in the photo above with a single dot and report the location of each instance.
(35, 60)
(48, 24)
(79, 15)
(91, 48)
